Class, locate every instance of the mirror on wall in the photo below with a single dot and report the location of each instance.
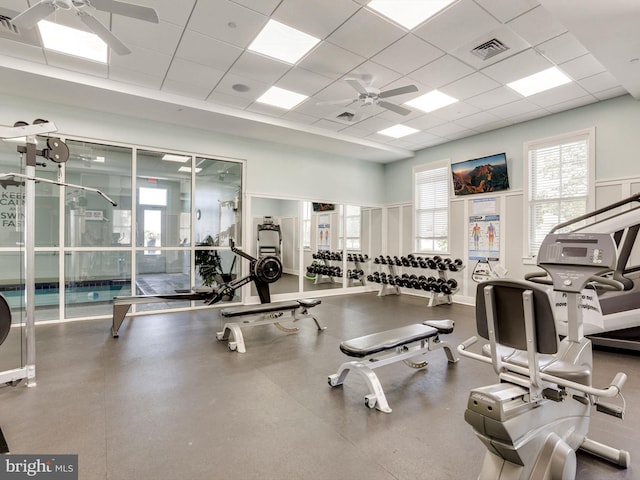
(323, 265)
(274, 227)
(367, 223)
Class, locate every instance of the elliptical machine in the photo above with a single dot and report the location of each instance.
(537, 417)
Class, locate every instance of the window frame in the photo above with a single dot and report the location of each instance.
(546, 142)
(437, 165)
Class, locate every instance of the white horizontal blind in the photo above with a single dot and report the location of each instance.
(353, 220)
(432, 209)
(558, 185)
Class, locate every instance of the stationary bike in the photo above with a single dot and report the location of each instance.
(537, 417)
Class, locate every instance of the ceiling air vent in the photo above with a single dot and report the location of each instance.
(348, 116)
(489, 49)
(7, 27)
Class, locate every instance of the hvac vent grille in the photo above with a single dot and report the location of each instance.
(7, 27)
(348, 116)
(489, 49)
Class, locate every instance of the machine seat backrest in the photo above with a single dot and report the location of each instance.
(509, 313)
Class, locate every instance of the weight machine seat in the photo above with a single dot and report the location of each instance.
(443, 326)
(381, 341)
(510, 327)
(546, 363)
(269, 307)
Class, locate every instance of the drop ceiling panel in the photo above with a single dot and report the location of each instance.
(22, 50)
(135, 77)
(562, 48)
(517, 67)
(207, 51)
(303, 81)
(494, 98)
(477, 120)
(201, 77)
(458, 24)
(171, 11)
(425, 122)
(574, 103)
(456, 111)
(142, 60)
(408, 54)
(450, 130)
(505, 10)
(229, 100)
(327, 15)
(226, 21)
(557, 95)
(258, 67)
(356, 35)
(470, 86)
(330, 60)
(255, 88)
(265, 7)
(162, 37)
(582, 67)
(537, 26)
(514, 109)
(442, 71)
(599, 82)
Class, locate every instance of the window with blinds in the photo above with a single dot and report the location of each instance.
(306, 224)
(559, 183)
(431, 205)
(353, 224)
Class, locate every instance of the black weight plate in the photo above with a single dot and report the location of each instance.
(268, 269)
(5, 319)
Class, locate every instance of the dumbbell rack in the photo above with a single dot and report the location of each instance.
(435, 298)
(324, 278)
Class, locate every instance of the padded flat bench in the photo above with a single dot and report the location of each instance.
(264, 314)
(424, 337)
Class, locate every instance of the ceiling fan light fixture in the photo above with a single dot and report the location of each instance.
(72, 41)
(431, 101)
(282, 42)
(409, 13)
(281, 98)
(398, 131)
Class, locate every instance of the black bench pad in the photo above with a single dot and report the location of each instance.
(269, 307)
(381, 341)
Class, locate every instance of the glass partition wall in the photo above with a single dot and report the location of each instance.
(169, 231)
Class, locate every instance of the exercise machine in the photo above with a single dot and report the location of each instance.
(269, 238)
(611, 318)
(5, 328)
(58, 152)
(408, 344)
(262, 271)
(537, 417)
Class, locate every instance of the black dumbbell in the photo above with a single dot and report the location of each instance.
(432, 264)
(414, 264)
(405, 261)
(423, 264)
(455, 265)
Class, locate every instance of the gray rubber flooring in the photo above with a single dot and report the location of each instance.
(166, 400)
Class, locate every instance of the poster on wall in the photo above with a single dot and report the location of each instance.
(324, 230)
(484, 237)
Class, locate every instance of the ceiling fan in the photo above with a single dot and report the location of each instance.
(30, 17)
(368, 95)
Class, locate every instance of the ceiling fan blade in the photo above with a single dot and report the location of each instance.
(398, 91)
(394, 108)
(147, 14)
(31, 16)
(357, 85)
(348, 101)
(103, 32)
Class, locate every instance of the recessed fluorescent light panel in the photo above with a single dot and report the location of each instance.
(409, 13)
(398, 131)
(188, 169)
(281, 98)
(431, 101)
(169, 157)
(277, 40)
(72, 41)
(539, 82)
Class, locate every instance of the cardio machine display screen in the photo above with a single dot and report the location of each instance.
(574, 252)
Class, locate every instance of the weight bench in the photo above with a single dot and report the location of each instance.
(424, 335)
(264, 314)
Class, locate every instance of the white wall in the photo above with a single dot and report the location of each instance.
(617, 127)
(272, 169)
